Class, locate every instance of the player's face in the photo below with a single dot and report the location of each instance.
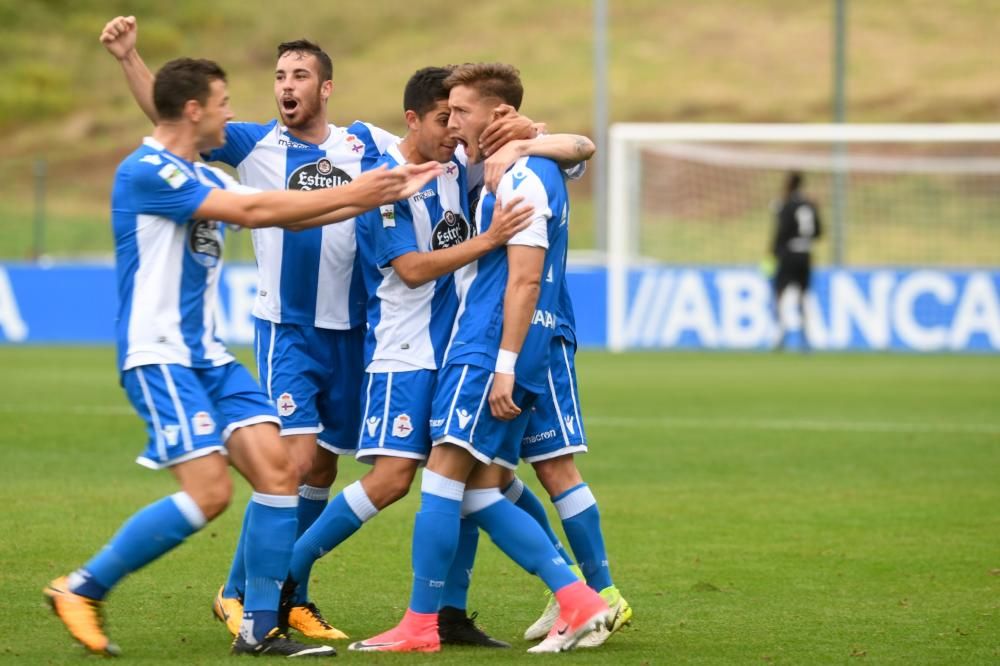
(435, 141)
(298, 89)
(470, 114)
(215, 113)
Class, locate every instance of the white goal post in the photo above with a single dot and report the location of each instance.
(628, 140)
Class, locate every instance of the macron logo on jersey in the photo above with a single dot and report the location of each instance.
(518, 178)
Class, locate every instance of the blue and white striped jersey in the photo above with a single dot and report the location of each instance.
(481, 285)
(167, 263)
(409, 328)
(306, 277)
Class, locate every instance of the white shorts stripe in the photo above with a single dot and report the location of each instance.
(482, 401)
(270, 361)
(385, 410)
(364, 411)
(181, 414)
(161, 448)
(572, 388)
(458, 389)
(555, 403)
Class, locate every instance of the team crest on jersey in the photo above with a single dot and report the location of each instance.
(286, 404)
(317, 176)
(401, 426)
(451, 171)
(205, 242)
(450, 230)
(202, 423)
(388, 216)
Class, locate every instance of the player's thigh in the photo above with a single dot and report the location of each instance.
(555, 423)
(395, 414)
(339, 398)
(257, 452)
(180, 415)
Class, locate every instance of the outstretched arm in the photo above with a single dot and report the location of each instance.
(566, 149)
(297, 210)
(119, 38)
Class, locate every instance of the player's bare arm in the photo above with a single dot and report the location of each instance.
(566, 149)
(417, 268)
(524, 283)
(296, 209)
(119, 38)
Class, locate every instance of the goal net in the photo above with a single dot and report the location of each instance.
(888, 195)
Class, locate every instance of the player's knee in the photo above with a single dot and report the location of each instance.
(323, 471)
(557, 475)
(387, 485)
(213, 498)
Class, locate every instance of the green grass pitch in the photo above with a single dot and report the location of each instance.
(758, 508)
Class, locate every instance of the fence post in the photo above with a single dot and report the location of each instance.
(38, 243)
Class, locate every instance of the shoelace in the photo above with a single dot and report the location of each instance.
(314, 612)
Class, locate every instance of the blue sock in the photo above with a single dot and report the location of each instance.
(148, 534)
(312, 501)
(435, 539)
(527, 501)
(456, 585)
(582, 522)
(237, 580)
(270, 536)
(341, 518)
(519, 536)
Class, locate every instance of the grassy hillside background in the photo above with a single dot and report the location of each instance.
(714, 60)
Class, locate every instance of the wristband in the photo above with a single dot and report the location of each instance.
(506, 360)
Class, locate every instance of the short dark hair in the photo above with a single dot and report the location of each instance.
(305, 47)
(490, 79)
(181, 80)
(425, 89)
(794, 181)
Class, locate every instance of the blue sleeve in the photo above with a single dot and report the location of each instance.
(240, 140)
(394, 236)
(166, 191)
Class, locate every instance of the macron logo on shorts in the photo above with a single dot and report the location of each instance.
(463, 418)
(372, 423)
(568, 420)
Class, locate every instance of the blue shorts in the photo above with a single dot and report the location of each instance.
(191, 412)
(461, 415)
(555, 427)
(397, 408)
(314, 375)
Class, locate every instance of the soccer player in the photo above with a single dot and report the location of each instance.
(507, 301)
(797, 225)
(408, 252)
(310, 305)
(554, 434)
(199, 404)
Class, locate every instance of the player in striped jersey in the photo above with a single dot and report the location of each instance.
(408, 252)
(197, 401)
(310, 302)
(507, 301)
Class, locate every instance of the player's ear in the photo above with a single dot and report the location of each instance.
(193, 110)
(326, 89)
(412, 119)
